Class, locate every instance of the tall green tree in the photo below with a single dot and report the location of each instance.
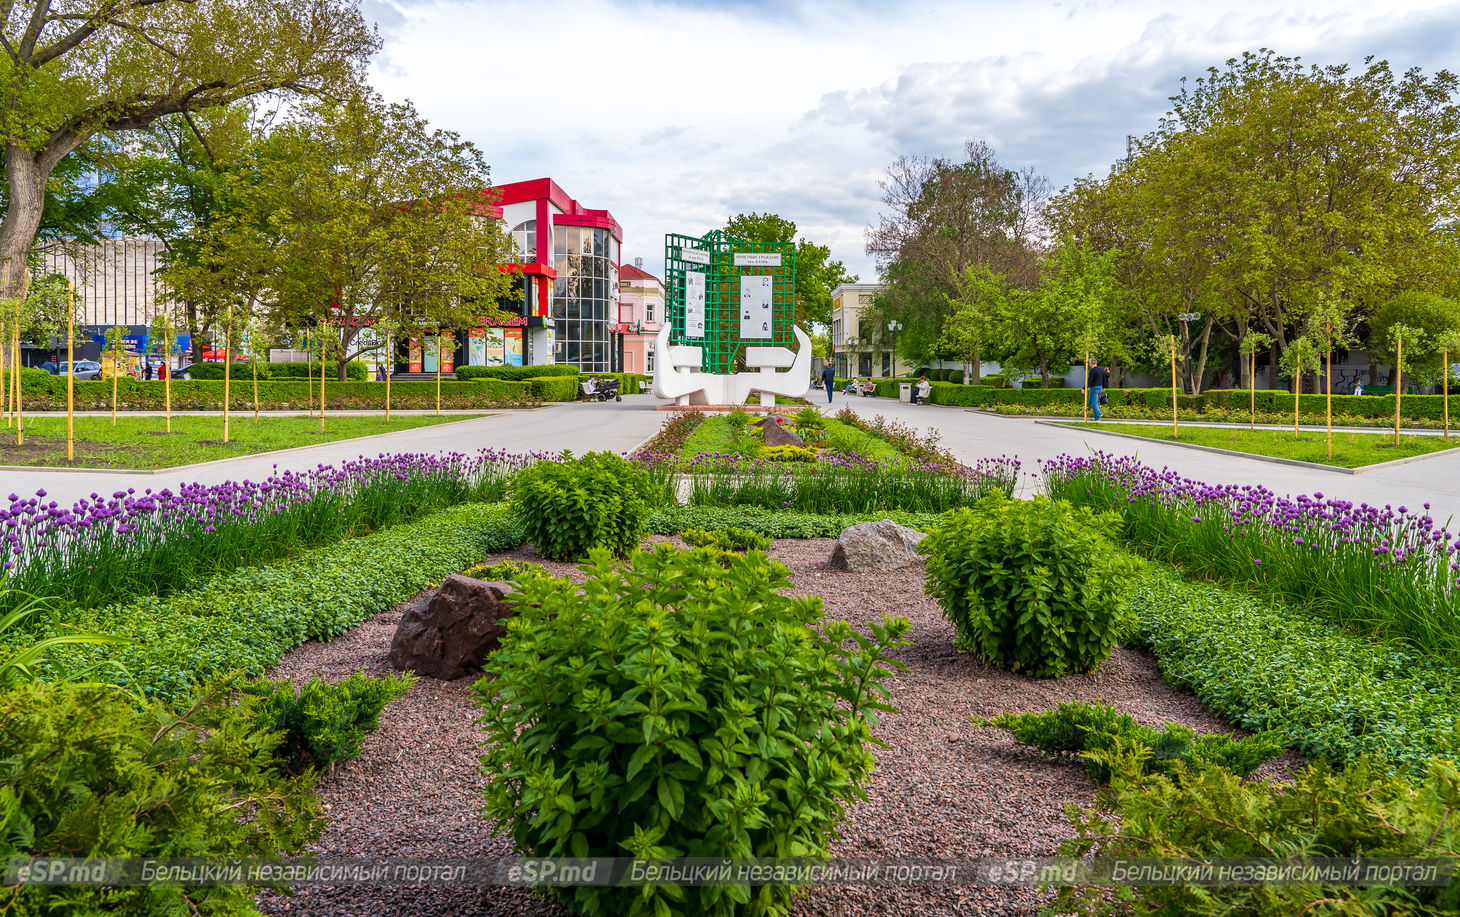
(817, 274)
(969, 330)
(1427, 316)
(348, 214)
(73, 69)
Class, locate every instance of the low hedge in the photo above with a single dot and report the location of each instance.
(354, 371)
(515, 373)
(553, 388)
(1260, 666)
(249, 618)
(207, 395)
(671, 520)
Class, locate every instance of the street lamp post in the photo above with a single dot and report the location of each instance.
(894, 326)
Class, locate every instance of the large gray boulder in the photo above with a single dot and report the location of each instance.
(447, 633)
(870, 547)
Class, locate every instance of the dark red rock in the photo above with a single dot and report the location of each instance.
(448, 633)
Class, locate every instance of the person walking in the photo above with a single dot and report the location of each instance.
(828, 379)
(1096, 378)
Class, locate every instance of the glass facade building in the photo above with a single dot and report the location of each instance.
(585, 296)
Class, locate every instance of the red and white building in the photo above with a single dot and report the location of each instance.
(640, 310)
(569, 293)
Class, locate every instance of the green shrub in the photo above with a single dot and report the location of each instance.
(678, 707)
(672, 520)
(1335, 696)
(1090, 731)
(787, 453)
(569, 507)
(355, 371)
(323, 724)
(809, 424)
(554, 388)
(248, 618)
(1032, 586)
(732, 539)
(88, 772)
(515, 373)
(207, 395)
(1364, 811)
(504, 571)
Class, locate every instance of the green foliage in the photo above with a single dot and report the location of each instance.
(42, 391)
(809, 424)
(730, 538)
(1092, 731)
(1032, 586)
(504, 571)
(1365, 810)
(737, 420)
(1427, 318)
(553, 388)
(514, 373)
(355, 371)
(88, 772)
(248, 618)
(788, 453)
(816, 273)
(322, 724)
(675, 706)
(569, 507)
(1260, 666)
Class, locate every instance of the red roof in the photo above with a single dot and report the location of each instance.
(629, 272)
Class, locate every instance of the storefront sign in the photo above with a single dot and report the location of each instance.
(694, 304)
(757, 259)
(695, 256)
(755, 306)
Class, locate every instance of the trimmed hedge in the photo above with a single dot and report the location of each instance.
(354, 371)
(249, 618)
(553, 388)
(1260, 666)
(49, 394)
(514, 373)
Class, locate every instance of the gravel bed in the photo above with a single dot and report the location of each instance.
(942, 789)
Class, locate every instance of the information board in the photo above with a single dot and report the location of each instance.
(755, 306)
(694, 304)
(757, 259)
(694, 255)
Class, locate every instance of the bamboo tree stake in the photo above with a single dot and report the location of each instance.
(254, 362)
(70, 371)
(1329, 408)
(1175, 423)
(309, 374)
(389, 371)
(321, 384)
(1445, 375)
(1398, 382)
(1252, 389)
(1297, 393)
(116, 371)
(438, 373)
(227, 365)
(19, 411)
(1085, 408)
(4, 370)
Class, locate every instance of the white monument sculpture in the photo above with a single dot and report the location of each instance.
(677, 374)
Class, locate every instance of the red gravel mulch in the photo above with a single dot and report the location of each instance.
(942, 789)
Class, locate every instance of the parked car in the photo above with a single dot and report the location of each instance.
(85, 369)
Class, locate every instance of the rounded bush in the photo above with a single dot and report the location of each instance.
(572, 506)
(679, 704)
(1032, 586)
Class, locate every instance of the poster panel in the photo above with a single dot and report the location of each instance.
(413, 351)
(447, 343)
(694, 304)
(428, 354)
(496, 349)
(514, 346)
(755, 307)
(476, 347)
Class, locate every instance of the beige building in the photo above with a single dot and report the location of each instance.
(858, 345)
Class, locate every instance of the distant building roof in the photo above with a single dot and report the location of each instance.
(629, 272)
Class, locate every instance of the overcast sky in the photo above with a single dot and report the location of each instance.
(675, 115)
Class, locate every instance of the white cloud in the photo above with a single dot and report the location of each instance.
(675, 116)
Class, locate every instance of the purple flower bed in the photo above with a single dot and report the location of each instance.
(1385, 571)
(108, 548)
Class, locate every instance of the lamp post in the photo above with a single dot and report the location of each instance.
(894, 326)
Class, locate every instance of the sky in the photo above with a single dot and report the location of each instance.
(675, 116)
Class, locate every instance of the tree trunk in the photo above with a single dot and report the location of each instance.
(22, 219)
(1200, 370)
(974, 367)
(195, 336)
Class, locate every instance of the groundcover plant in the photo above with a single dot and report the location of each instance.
(1385, 571)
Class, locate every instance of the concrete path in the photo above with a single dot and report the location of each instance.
(580, 426)
(971, 435)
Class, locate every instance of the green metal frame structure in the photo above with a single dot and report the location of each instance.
(722, 347)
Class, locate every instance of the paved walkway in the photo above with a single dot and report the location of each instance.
(580, 426)
(971, 435)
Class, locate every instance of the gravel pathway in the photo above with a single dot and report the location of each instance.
(942, 789)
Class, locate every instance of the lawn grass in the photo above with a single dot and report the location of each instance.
(143, 443)
(1350, 450)
(717, 435)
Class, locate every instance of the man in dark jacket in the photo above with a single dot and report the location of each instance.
(828, 379)
(1096, 378)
